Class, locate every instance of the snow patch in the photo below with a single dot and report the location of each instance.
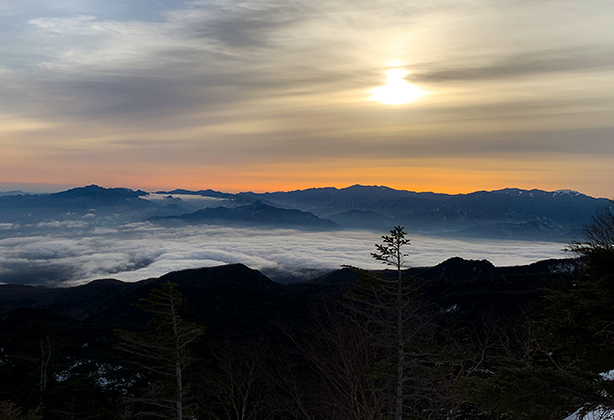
(566, 192)
(597, 414)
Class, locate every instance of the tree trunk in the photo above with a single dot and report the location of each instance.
(179, 390)
(400, 341)
(178, 373)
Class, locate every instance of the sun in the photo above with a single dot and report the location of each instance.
(397, 91)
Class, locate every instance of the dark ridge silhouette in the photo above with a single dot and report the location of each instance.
(204, 193)
(256, 213)
(235, 297)
(473, 287)
(99, 193)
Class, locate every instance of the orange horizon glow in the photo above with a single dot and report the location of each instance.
(425, 178)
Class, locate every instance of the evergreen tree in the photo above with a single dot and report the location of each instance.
(402, 328)
(163, 352)
(568, 342)
(391, 253)
(579, 322)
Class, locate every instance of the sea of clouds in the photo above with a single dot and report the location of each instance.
(72, 253)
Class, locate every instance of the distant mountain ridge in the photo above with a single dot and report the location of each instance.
(14, 192)
(508, 213)
(255, 213)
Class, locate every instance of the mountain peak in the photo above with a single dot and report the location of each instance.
(96, 191)
(364, 187)
(456, 267)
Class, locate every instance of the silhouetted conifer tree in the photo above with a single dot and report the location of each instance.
(402, 328)
(163, 352)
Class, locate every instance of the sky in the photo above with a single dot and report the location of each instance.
(278, 95)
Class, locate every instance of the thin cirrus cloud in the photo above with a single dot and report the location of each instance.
(249, 83)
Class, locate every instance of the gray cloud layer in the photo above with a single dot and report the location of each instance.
(282, 81)
(262, 48)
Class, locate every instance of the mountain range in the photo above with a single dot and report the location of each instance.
(508, 213)
(235, 297)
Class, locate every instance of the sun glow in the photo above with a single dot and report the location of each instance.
(396, 91)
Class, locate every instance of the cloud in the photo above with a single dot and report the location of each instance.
(237, 53)
(161, 88)
(142, 250)
(591, 58)
(246, 25)
(62, 224)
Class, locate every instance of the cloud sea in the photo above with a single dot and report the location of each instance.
(69, 254)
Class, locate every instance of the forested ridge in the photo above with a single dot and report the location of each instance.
(462, 340)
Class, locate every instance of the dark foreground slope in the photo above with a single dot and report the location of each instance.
(281, 336)
(237, 298)
(226, 298)
(475, 287)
